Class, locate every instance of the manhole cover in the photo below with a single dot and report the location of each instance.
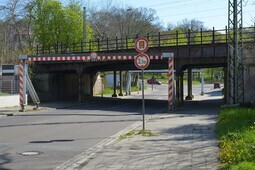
(31, 153)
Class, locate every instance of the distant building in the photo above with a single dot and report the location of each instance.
(9, 79)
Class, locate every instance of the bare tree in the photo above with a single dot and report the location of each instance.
(14, 30)
(192, 25)
(14, 17)
(121, 22)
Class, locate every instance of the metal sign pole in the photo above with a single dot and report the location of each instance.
(141, 62)
(143, 103)
(202, 84)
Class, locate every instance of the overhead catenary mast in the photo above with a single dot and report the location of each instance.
(235, 65)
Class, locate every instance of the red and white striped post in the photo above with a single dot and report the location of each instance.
(171, 90)
(22, 81)
(170, 84)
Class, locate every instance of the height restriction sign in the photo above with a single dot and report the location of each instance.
(142, 61)
(141, 45)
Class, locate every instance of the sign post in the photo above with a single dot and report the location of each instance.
(202, 84)
(141, 62)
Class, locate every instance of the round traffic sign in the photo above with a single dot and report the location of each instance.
(141, 45)
(93, 56)
(142, 61)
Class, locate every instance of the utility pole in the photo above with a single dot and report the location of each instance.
(84, 27)
(235, 65)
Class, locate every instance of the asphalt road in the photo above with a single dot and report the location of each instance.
(59, 135)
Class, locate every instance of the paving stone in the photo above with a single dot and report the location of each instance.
(183, 141)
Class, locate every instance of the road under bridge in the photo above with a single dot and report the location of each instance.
(72, 74)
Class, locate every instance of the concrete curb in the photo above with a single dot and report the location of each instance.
(83, 158)
(30, 108)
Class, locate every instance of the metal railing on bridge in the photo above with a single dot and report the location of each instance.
(170, 38)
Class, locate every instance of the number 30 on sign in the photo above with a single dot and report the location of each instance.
(142, 61)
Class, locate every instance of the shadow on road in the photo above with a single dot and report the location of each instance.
(4, 159)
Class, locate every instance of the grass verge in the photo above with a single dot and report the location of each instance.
(3, 93)
(236, 133)
(109, 90)
(130, 134)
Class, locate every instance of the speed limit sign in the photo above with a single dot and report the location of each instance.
(142, 61)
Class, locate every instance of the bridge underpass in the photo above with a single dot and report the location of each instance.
(80, 70)
(73, 76)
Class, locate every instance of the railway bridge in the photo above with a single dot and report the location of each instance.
(69, 72)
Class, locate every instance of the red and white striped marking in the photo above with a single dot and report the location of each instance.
(88, 58)
(170, 83)
(21, 83)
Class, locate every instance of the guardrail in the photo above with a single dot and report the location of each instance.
(176, 38)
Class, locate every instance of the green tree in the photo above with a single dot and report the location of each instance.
(54, 23)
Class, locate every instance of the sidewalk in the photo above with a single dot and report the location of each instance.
(7, 111)
(184, 139)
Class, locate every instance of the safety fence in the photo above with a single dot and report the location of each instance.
(9, 85)
(169, 38)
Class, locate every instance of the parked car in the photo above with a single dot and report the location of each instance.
(216, 85)
(153, 81)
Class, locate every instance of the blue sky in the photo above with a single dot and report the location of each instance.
(214, 13)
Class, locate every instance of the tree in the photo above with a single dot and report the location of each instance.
(14, 22)
(53, 23)
(192, 25)
(190, 29)
(13, 33)
(119, 22)
(27, 22)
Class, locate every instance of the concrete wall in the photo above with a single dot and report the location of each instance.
(98, 87)
(250, 86)
(9, 100)
(249, 63)
(86, 85)
(41, 84)
(64, 86)
(56, 86)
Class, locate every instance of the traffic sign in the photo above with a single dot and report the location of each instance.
(141, 45)
(93, 56)
(142, 61)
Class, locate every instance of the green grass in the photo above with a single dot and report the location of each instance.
(244, 166)
(236, 133)
(130, 134)
(109, 90)
(3, 93)
(163, 78)
(145, 133)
